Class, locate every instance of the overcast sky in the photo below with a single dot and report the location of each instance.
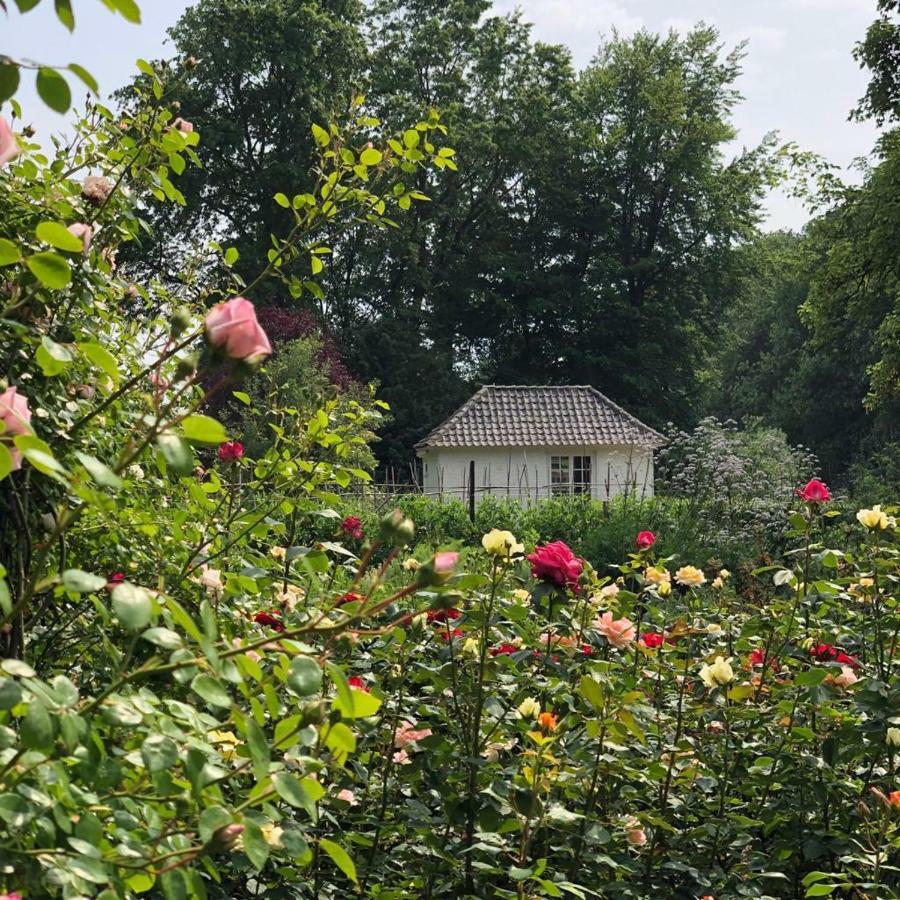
(799, 76)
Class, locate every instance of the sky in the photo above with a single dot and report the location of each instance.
(799, 77)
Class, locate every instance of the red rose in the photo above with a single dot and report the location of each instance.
(555, 563)
(814, 491)
(270, 619)
(352, 527)
(116, 578)
(504, 650)
(645, 540)
(350, 597)
(231, 451)
(757, 658)
(652, 639)
(457, 632)
(443, 615)
(830, 653)
(356, 682)
(587, 649)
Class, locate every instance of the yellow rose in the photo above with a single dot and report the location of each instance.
(529, 708)
(655, 575)
(873, 518)
(521, 595)
(664, 589)
(278, 553)
(501, 543)
(690, 576)
(411, 564)
(470, 646)
(719, 673)
(272, 834)
(718, 583)
(724, 574)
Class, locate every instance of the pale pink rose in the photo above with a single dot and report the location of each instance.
(16, 418)
(401, 758)
(84, 231)
(406, 734)
(619, 632)
(233, 328)
(348, 797)
(9, 147)
(847, 677)
(237, 643)
(637, 837)
(445, 562)
(183, 125)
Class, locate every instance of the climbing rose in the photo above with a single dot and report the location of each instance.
(83, 231)
(9, 147)
(16, 418)
(814, 491)
(352, 527)
(555, 563)
(231, 451)
(619, 632)
(233, 328)
(645, 540)
(271, 619)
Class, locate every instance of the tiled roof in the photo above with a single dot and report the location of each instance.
(523, 416)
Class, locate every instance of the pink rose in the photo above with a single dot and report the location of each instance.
(83, 231)
(9, 146)
(637, 837)
(555, 563)
(645, 540)
(445, 562)
(16, 418)
(233, 328)
(348, 797)
(619, 632)
(814, 491)
(406, 734)
(183, 125)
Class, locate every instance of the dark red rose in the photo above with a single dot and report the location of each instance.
(352, 527)
(757, 658)
(231, 451)
(652, 639)
(356, 682)
(814, 491)
(556, 564)
(645, 540)
(271, 619)
(350, 597)
(443, 615)
(504, 650)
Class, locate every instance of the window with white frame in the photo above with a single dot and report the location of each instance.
(560, 477)
(581, 474)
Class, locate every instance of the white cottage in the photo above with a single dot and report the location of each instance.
(533, 442)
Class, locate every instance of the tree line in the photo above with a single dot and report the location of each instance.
(596, 229)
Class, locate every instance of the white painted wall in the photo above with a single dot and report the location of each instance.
(524, 472)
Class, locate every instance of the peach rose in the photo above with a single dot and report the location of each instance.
(619, 632)
(232, 327)
(83, 231)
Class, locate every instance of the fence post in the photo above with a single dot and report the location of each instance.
(472, 490)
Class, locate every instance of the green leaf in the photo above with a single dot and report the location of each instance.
(64, 13)
(81, 582)
(256, 847)
(231, 256)
(340, 740)
(52, 357)
(592, 692)
(53, 90)
(128, 9)
(6, 461)
(50, 269)
(159, 753)
(240, 395)
(99, 471)
(211, 691)
(304, 676)
(812, 676)
(85, 76)
(259, 749)
(163, 637)
(9, 252)
(320, 135)
(339, 857)
(36, 729)
(411, 138)
(360, 706)
(39, 454)
(102, 359)
(282, 200)
(176, 453)
(370, 157)
(9, 80)
(133, 605)
(204, 430)
(292, 791)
